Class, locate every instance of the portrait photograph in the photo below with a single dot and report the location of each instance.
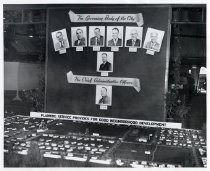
(153, 39)
(97, 36)
(78, 36)
(60, 40)
(114, 36)
(133, 37)
(105, 61)
(104, 95)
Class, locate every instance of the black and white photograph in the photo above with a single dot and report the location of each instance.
(79, 36)
(129, 90)
(133, 37)
(153, 39)
(96, 36)
(60, 39)
(105, 61)
(114, 36)
(104, 95)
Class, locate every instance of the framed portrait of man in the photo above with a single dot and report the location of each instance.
(114, 36)
(153, 39)
(79, 36)
(60, 39)
(103, 95)
(96, 36)
(133, 37)
(105, 61)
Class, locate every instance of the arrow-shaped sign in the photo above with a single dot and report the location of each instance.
(111, 81)
(118, 18)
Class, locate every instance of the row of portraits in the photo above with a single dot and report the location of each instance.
(114, 37)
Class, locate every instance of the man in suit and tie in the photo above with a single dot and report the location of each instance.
(80, 39)
(62, 43)
(97, 40)
(134, 41)
(105, 66)
(105, 99)
(153, 44)
(115, 41)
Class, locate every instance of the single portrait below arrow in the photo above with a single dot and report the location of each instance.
(109, 81)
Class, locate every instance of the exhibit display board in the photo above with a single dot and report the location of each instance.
(107, 61)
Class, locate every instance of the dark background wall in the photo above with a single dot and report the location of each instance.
(126, 102)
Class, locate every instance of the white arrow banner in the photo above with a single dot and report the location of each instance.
(118, 18)
(110, 81)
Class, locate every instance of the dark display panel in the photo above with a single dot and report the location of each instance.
(62, 97)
